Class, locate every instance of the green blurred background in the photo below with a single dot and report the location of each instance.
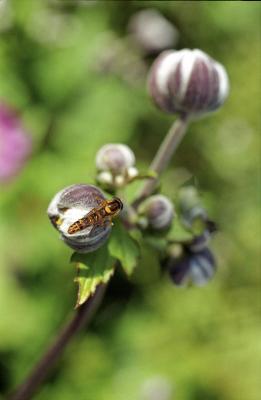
(203, 344)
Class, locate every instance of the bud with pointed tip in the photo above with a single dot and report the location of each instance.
(115, 165)
(192, 267)
(193, 215)
(157, 213)
(188, 198)
(195, 219)
(187, 82)
(71, 204)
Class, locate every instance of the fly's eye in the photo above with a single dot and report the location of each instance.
(118, 203)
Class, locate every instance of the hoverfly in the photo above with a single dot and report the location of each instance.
(106, 210)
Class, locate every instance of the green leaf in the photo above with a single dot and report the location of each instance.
(124, 248)
(157, 242)
(149, 266)
(198, 226)
(150, 252)
(92, 269)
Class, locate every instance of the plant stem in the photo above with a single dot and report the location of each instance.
(163, 156)
(81, 317)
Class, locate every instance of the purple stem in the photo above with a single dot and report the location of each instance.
(163, 157)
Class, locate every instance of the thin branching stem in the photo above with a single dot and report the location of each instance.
(163, 157)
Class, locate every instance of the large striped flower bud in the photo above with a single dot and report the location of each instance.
(188, 82)
(71, 204)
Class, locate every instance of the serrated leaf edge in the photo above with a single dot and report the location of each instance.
(80, 302)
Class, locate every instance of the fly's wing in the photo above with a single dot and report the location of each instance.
(88, 219)
(100, 224)
(103, 219)
(82, 223)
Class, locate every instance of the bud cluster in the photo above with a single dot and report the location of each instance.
(187, 82)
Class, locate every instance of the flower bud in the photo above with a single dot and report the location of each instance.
(200, 242)
(197, 268)
(188, 198)
(188, 82)
(105, 177)
(115, 158)
(115, 163)
(157, 212)
(195, 219)
(193, 215)
(152, 32)
(71, 204)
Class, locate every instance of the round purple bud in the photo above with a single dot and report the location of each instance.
(157, 213)
(192, 267)
(115, 165)
(71, 204)
(187, 82)
(115, 158)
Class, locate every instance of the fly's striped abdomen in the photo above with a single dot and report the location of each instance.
(97, 216)
(83, 223)
(78, 226)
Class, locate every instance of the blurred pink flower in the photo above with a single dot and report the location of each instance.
(15, 144)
